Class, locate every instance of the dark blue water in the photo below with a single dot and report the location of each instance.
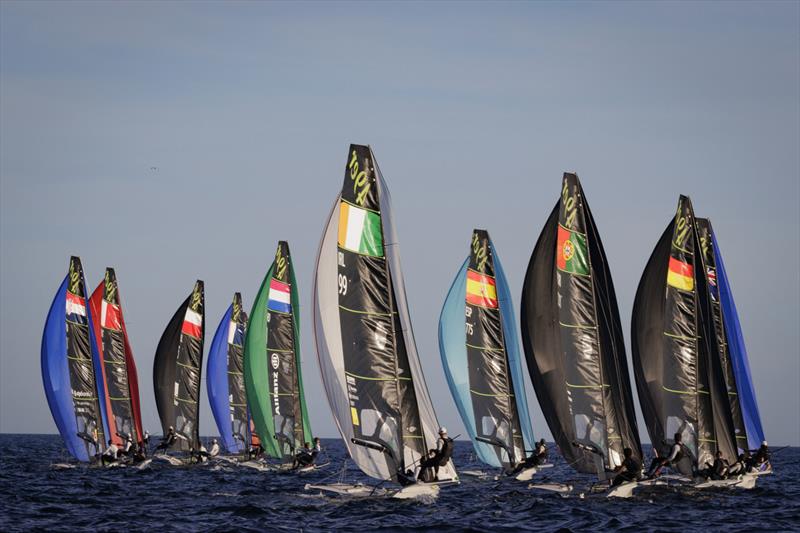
(34, 495)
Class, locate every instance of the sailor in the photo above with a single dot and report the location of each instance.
(675, 455)
(539, 456)
(738, 467)
(428, 467)
(443, 453)
(110, 455)
(629, 470)
(127, 449)
(202, 454)
(718, 470)
(760, 457)
(304, 456)
(168, 440)
(214, 448)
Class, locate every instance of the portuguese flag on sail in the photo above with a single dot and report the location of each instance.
(571, 253)
(360, 230)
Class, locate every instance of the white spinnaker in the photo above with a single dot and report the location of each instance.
(430, 425)
(328, 338)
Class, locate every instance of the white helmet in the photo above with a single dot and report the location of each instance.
(442, 430)
(764, 443)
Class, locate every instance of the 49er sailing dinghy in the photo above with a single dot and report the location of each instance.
(273, 376)
(483, 366)
(71, 369)
(119, 378)
(366, 349)
(573, 340)
(176, 375)
(225, 381)
(681, 352)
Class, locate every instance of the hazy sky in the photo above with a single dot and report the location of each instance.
(246, 110)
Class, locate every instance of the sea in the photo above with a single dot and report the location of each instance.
(38, 493)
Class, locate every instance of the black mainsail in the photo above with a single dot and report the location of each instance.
(177, 370)
(573, 340)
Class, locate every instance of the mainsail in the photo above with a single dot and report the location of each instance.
(573, 340)
(225, 379)
(121, 382)
(366, 349)
(678, 369)
(481, 358)
(177, 369)
(273, 376)
(71, 369)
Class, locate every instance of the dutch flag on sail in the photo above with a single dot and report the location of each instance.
(280, 297)
(76, 309)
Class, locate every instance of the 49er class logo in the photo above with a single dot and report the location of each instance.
(567, 250)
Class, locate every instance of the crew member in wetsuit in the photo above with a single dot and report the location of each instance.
(718, 469)
(738, 467)
(168, 440)
(538, 457)
(675, 455)
(441, 456)
(760, 457)
(426, 471)
(214, 448)
(629, 470)
(304, 457)
(110, 455)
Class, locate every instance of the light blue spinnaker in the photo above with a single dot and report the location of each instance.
(453, 350)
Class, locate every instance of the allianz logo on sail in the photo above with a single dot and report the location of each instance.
(275, 362)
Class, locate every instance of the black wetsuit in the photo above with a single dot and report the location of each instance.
(631, 472)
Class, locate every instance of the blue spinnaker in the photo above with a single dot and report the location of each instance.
(217, 384)
(738, 355)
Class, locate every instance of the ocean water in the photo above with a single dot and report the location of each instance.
(36, 495)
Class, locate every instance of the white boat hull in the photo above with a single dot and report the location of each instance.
(417, 490)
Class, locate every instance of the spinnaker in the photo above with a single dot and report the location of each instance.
(177, 370)
(273, 375)
(573, 340)
(366, 349)
(481, 357)
(225, 379)
(71, 369)
(120, 380)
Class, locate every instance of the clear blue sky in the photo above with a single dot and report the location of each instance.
(474, 111)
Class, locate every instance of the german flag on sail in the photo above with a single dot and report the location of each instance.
(360, 230)
(481, 290)
(571, 252)
(680, 275)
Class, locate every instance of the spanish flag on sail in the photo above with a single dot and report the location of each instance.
(360, 230)
(481, 290)
(680, 275)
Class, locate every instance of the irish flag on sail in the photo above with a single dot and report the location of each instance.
(360, 230)
(192, 324)
(280, 296)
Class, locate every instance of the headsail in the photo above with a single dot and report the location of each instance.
(483, 367)
(675, 349)
(118, 366)
(573, 340)
(177, 370)
(366, 349)
(273, 375)
(71, 369)
(225, 379)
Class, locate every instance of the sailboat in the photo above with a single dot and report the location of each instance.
(119, 378)
(482, 361)
(225, 380)
(176, 374)
(677, 349)
(573, 341)
(71, 369)
(366, 349)
(273, 375)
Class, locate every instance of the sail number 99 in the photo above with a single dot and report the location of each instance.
(342, 284)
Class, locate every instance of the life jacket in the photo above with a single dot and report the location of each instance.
(679, 455)
(446, 452)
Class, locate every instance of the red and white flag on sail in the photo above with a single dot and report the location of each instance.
(192, 324)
